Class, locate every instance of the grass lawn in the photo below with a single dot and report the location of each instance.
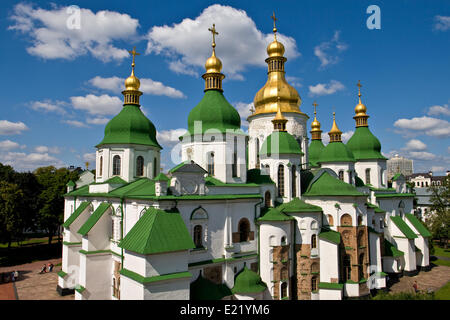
(30, 250)
(438, 251)
(443, 293)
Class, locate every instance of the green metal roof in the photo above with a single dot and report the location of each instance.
(70, 183)
(377, 209)
(280, 142)
(248, 281)
(161, 177)
(359, 182)
(391, 251)
(204, 289)
(130, 126)
(255, 176)
(329, 285)
(93, 219)
(315, 149)
(398, 221)
(330, 235)
(336, 152)
(418, 225)
(275, 214)
(169, 276)
(364, 145)
(327, 185)
(158, 231)
(214, 112)
(76, 214)
(395, 195)
(178, 166)
(298, 205)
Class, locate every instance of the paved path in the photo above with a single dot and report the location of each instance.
(434, 279)
(32, 285)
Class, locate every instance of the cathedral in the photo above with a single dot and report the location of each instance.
(272, 214)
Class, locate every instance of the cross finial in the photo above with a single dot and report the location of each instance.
(274, 24)
(315, 105)
(134, 54)
(214, 33)
(359, 87)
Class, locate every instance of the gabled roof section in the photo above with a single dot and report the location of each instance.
(275, 214)
(158, 231)
(403, 227)
(391, 251)
(115, 180)
(324, 184)
(188, 166)
(93, 219)
(161, 177)
(298, 205)
(76, 214)
(418, 225)
(330, 235)
(77, 192)
(204, 289)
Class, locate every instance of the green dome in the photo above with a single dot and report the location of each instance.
(365, 145)
(314, 151)
(336, 152)
(215, 112)
(280, 142)
(248, 281)
(130, 126)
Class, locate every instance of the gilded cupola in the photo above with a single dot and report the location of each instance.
(279, 122)
(266, 99)
(360, 110)
(335, 134)
(213, 76)
(316, 133)
(132, 84)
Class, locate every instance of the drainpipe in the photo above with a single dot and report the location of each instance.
(121, 229)
(261, 201)
(294, 263)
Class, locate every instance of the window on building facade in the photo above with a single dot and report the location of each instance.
(211, 164)
(330, 220)
(346, 220)
(267, 199)
(313, 241)
(281, 180)
(347, 268)
(234, 165)
(198, 236)
(360, 221)
(361, 266)
(294, 181)
(100, 169)
(257, 153)
(244, 230)
(139, 166)
(284, 290)
(367, 176)
(116, 165)
(341, 175)
(155, 167)
(314, 284)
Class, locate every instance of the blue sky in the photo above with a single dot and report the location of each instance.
(60, 85)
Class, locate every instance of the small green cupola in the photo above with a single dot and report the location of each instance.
(363, 144)
(213, 111)
(248, 281)
(131, 126)
(335, 151)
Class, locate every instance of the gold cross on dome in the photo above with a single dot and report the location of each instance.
(315, 105)
(214, 33)
(274, 20)
(359, 87)
(133, 53)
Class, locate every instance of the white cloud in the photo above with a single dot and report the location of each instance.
(327, 51)
(294, 81)
(421, 155)
(8, 145)
(438, 169)
(45, 149)
(170, 136)
(148, 86)
(345, 136)
(187, 44)
(98, 105)
(22, 161)
(100, 121)
(51, 38)
(75, 123)
(423, 125)
(89, 157)
(438, 110)
(48, 106)
(244, 111)
(442, 23)
(415, 145)
(322, 89)
(10, 128)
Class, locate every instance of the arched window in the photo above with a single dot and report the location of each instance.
(347, 268)
(139, 166)
(330, 220)
(314, 284)
(284, 290)
(313, 241)
(283, 241)
(116, 166)
(361, 266)
(211, 164)
(373, 222)
(314, 267)
(346, 220)
(101, 167)
(244, 230)
(360, 239)
(341, 175)
(367, 176)
(294, 181)
(198, 236)
(155, 167)
(199, 214)
(281, 180)
(360, 221)
(284, 273)
(234, 166)
(267, 199)
(257, 153)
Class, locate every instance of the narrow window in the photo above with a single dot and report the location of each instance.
(294, 181)
(116, 166)
(361, 266)
(341, 175)
(198, 236)
(257, 153)
(139, 166)
(155, 167)
(313, 241)
(234, 166)
(284, 290)
(101, 167)
(359, 221)
(281, 180)
(330, 220)
(267, 199)
(347, 268)
(211, 164)
(367, 176)
(314, 284)
(244, 230)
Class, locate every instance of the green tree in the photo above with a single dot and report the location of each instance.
(51, 200)
(439, 216)
(11, 223)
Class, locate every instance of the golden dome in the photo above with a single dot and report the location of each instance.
(334, 128)
(213, 64)
(132, 82)
(360, 110)
(275, 49)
